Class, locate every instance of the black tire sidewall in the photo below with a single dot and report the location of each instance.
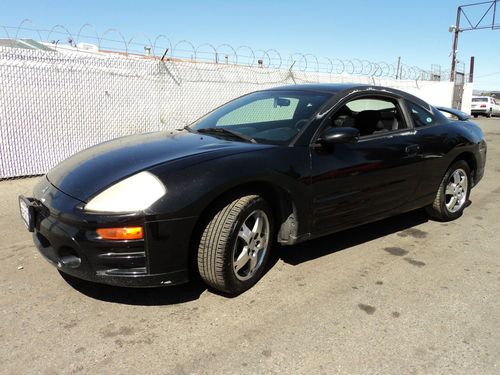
(234, 284)
(444, 210)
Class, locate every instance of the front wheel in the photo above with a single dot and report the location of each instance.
(235, 243)
(453, 193)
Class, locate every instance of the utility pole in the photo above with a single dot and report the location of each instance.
(488, 20)
(471, 70)
(397, 68)
(455, 47)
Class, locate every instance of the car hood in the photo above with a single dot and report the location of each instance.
(90, 171)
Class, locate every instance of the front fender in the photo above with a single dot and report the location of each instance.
(192, 187)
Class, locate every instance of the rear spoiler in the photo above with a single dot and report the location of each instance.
(462, 116)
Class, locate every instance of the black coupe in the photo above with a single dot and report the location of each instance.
(282, 165)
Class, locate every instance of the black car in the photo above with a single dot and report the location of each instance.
(282, 165)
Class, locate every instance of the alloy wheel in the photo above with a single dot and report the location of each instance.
(456, 190)
(251, 245)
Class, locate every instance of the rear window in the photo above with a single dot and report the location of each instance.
(422, 117)
(475, 100)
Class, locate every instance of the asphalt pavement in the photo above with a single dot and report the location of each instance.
(405, 295)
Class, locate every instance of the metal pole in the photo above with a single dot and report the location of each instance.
(471, 70)
(397, 69)
(455, 46)
(494, 15)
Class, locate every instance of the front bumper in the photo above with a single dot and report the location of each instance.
(69, 243)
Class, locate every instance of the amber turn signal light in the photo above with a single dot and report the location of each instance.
(125, 233)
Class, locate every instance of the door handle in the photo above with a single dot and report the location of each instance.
(412, 150)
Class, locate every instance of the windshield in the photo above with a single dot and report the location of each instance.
(479, 100)
(274, 117)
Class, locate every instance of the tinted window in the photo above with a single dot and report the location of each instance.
(261, 111)
(370, 116)
(274, 117)
(423, 117)
(365, 104)
(476, 100)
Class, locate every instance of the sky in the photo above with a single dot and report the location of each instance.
(372, 30)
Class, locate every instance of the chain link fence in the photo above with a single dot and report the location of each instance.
(57, 98)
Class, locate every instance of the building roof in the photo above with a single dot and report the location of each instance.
(24, 43)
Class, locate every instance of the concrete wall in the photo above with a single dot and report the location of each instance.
(467, 98)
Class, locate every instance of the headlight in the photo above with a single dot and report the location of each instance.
(135, 193)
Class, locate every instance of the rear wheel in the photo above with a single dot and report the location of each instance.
(489, 113)
(475, 116)
(453, 193)
(235, 243)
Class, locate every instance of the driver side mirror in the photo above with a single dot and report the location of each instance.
(331, 136)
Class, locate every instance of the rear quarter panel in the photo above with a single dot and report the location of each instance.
(441, 146)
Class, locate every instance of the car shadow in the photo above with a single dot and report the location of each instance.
(320, 247)
(169, 295)
(293, 255)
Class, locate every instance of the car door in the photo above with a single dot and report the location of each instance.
(433, 136)
(359, 182)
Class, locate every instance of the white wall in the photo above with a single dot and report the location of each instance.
(467, 98)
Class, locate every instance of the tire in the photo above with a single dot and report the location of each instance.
(233, 252)
(442, 208)
(489, 114)
(475, 116)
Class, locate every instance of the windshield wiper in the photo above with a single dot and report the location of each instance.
(227, 132)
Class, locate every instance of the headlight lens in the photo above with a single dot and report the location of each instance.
(135, 193)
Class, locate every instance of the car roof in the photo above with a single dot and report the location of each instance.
(336, 88)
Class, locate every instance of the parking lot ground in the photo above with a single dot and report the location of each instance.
(404, 295)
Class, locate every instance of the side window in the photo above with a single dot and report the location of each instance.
(421, 116)
(261, 111)
(370, 115)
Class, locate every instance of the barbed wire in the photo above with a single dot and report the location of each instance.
(72, 90)
(113, 40)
